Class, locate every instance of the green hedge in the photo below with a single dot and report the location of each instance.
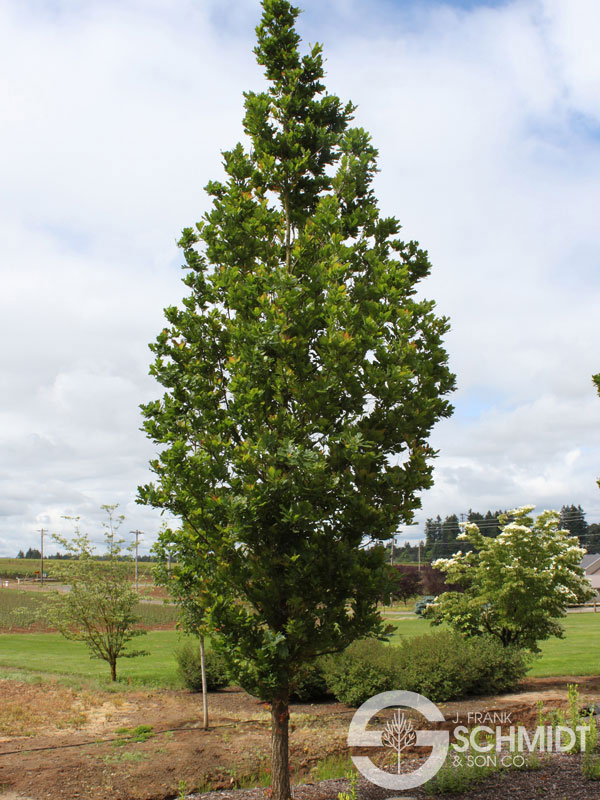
(441, 666)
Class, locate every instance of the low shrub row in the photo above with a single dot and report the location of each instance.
(442, 666)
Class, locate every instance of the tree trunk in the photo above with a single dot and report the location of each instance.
(280, 775)
(204, 694)
(113, 670)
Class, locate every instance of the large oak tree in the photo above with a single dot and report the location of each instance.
(302, 378)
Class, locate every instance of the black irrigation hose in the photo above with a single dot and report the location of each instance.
(154, 733)
(124, 739)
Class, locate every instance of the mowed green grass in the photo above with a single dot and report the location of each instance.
(577, 654)
(51, 653)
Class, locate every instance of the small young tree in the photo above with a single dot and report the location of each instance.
(517, 585)
(303, 377)
(99, 608)
(181, 581)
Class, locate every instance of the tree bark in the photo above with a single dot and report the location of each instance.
(280, 775)
(113, 670)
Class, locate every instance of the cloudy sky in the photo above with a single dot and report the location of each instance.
(114, 112)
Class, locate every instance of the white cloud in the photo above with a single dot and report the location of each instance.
(487, 122)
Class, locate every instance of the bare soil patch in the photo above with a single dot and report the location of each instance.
(62, 744)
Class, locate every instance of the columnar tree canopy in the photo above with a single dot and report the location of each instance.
(302, 378)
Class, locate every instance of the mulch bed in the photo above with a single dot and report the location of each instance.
(560, 779)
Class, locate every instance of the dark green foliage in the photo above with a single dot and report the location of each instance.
(361, 671)
(302, 376)
(499, 668)
(592, 539)
(442, 666)
(572, 519)
(189, 667)
(441, 535)
(445, 666)
(310, 684)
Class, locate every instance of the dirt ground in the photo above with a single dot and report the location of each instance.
(59, 743)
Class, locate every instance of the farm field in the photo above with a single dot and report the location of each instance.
(18, 608)
(11, 568)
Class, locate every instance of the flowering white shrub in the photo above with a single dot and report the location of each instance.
(517, 585)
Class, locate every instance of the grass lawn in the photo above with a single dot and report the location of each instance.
(577, 654)
(51, 653)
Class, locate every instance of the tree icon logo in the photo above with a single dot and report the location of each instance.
(398, 734)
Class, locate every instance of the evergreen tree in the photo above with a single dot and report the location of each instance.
(433, 536)
(303, 377)
(592, 539)
(450, 529)
(475, 516)
(572, 519)
(491, 523)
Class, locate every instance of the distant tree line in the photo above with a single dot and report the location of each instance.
(31, 553)
(441, 534)
(34, 553)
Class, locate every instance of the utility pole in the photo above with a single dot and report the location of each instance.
(42, 532)
(137, 535)
(392, 554)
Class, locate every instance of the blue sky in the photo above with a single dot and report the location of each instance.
(486, 116)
